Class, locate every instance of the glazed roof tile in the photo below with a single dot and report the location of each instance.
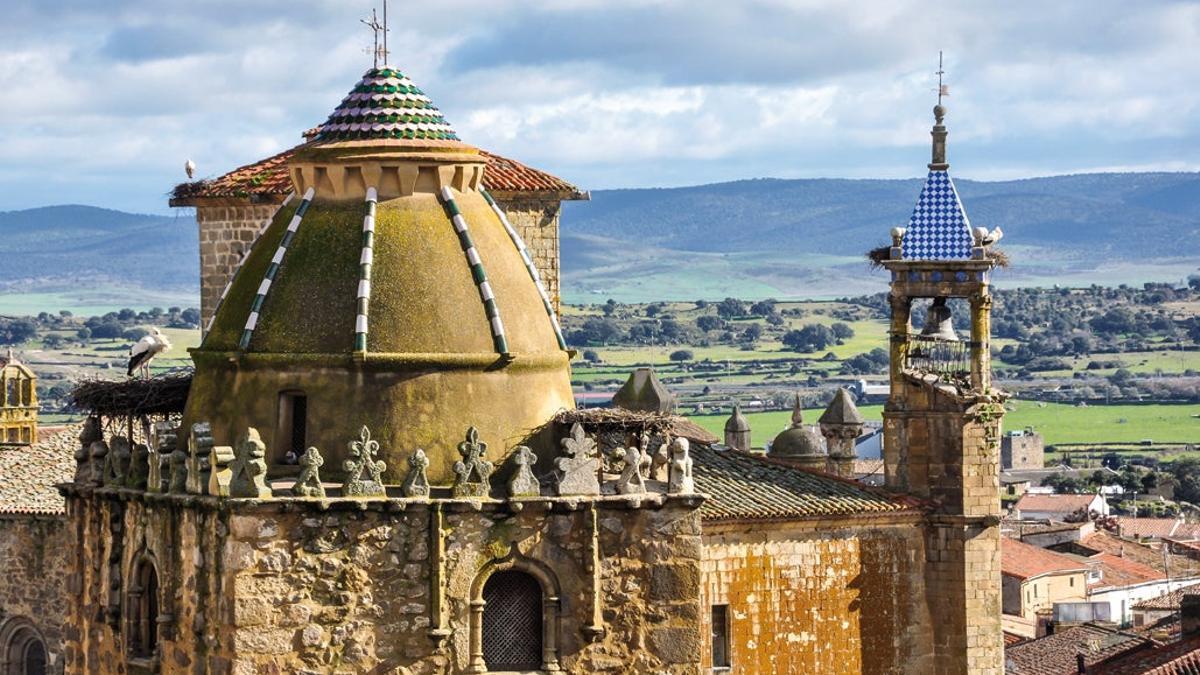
(938, 228)
(28, 474)
(385, 104)
(741, 486)
(268, 178)
(1056, 654)
(1023, 561)
(1179, 658)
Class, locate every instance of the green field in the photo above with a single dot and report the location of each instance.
(94, 300)
(1059, 423)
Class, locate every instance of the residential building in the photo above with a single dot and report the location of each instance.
(1034, 578)
(1061, 508)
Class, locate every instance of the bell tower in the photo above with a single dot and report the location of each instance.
(942, 417)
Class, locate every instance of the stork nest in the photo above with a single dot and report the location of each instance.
(162, 395)
(190, 189)
(618, 420)
(877, 256)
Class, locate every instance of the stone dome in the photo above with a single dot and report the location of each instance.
(798, 441)
(389, 291)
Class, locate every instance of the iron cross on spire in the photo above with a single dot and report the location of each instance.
(942, 90)
(377, 28)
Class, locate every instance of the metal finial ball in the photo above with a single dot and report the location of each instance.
(939, 111)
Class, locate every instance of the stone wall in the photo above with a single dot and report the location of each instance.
(226, 233)
(305, 587)
(228, 230)
(34, 579)
(842, 595)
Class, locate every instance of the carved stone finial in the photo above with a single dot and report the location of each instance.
(364, 472)
(200, 442)
(631, 481)
(249, 467)
(116, 462)
(661, 460)
(89, 434)
(523, 483)
(577, 471)
(178, 462)
(471, 474)
(220, 457)
(308, 483)
(680, 480)
(162, 444)
(416, 483)
(139, 467)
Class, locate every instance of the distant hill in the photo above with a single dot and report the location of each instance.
(772, 232)
(53, 245)
(751, 238)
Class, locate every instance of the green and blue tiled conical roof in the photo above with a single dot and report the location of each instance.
(385, 104)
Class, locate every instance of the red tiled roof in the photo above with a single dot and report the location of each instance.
(1118, 571)
(1157, 528)
(1023, 561)
(268, 178)
(1059, 503)
(1179, 658)
(28, 474)
(1012, 639)
(1056, 654)
(1167, 601)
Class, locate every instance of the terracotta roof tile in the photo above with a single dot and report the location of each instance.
(1118, 571)
(749, 487)
(1168, 601)
(1020, 560)
(1179, 658)
(1056, 654)
(268, 180)
(28, 474)
(1157, 528)
(1060, 503)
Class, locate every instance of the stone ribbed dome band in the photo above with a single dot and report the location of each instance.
(364, 276)
(383, 360)
(477, 271)
(229, 284)
(533, 272)
(273, 269)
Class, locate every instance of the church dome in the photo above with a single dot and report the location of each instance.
(389, 291)
(797, 441)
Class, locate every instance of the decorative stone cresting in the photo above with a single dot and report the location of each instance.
(99, 453)
(177, 462)
(523, 483)
(200, 443)
(162, 442)
(363, 471)
(636, 460)
(116, 462)
(220, 457)
(416, 483)
(471, 474)
(308, 483)
(249, 467)
(139, 467)
(680, 480)
(87, 436)
(578, 470)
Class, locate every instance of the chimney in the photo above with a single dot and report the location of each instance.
(1189, 614)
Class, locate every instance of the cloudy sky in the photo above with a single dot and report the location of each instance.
(101, 101)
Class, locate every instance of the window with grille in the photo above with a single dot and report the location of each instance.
(720, 636)
(512, 622)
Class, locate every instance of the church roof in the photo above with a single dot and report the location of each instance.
(938, 228)
(386, 104)
(748, 487)
(268, 180)
(28, 474)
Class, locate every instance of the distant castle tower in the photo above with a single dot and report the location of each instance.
(737, 429)
(942, 418)
(18, 402)
(841, 425)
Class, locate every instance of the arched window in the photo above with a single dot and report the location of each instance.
(24, 650)
(512, 622)
(143, 611)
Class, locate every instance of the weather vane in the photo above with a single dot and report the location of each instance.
(943, 89)
(377, 28)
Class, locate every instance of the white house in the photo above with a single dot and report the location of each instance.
(1060, 507)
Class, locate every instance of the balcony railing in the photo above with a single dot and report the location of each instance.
(950, 360)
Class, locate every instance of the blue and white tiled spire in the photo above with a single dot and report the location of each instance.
(939, 228)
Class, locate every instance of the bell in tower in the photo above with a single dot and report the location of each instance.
(939, 324)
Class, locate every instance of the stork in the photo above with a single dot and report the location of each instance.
(144, 350)
(986, 238)
(190, 168)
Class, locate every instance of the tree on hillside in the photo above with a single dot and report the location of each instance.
(731, 308)
(707, 323)
(763, 308)
(681, 355)
(16, 331)
(810, 338)
(842, 331)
